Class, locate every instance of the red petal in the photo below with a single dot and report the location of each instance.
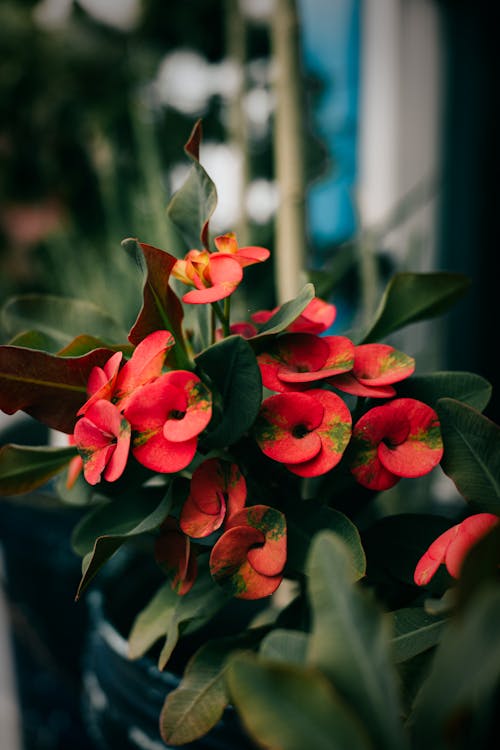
(422, 449)
(158, 454)
(173, 553)
(101, 382)
(317, 317)
(209, 294)
(149, 406)
(469, 533)
(285, 430)
(226, 243)
(247, 256)
(435, 555)
(199, 523)
(348, 384)
(381, 364)
(373, 427)
(118, 459)
(269, 559)
(145, 364)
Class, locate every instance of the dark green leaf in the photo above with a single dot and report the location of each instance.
(167, 613)
(467, 387)
(304, 523)
(194, 203)
(471, 453)
(36, 340)
(410, 297)
(59, 318)
(414, 631)
(198, 703)
(102, 531)
(233, 370)
(289, 646)
(349, 641)
(464, 677)
(24, 468)
(289, 707)
(49, 388)
(287, 313)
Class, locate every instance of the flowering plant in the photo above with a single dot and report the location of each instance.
(254, 452)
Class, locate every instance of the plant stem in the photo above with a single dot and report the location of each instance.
(221, 316)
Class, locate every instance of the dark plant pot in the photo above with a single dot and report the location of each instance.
(122, 698)
(47, 628)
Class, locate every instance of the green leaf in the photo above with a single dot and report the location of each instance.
(349, 641)
(304, 523)
(161, 308)
(168, 613)
(103, 531)
(194, 203)
(24, 468)
(467, 387)
(287, 313)
(471, 453)
(60, 319)
(414, 631)
(289, 646)
(36, 340)
(290, 707)
(410, 297)
(49, 388)
(233, 370)
(463, 679)
(198, 703)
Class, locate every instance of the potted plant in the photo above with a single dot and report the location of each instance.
(247, 459)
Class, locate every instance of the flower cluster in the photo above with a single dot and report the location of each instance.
(242, 453)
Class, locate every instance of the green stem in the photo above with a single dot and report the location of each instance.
(222, 318)
(227, 313)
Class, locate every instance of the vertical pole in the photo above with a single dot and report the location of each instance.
(288, 152)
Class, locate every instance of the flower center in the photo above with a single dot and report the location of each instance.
(177, 414)
(300, 431)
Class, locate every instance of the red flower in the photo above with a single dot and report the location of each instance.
(216, 275)
(452, 547)
(145, 364)
(317, 317)
(218, 489)
(249, 557)
(375, 368)
(102, 437)
(297, 359)
(167, 416)
(308, 432)
(245, 330)
(174, 554)
(398, 439)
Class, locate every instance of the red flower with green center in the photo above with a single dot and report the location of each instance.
(174, 554)
(298, 359)
(399, 439)
(167, 416)
(102, 437)
(376, 367)
(308, 432)
(452, 547)
(317, 317)
(218, 489)
(249, 558)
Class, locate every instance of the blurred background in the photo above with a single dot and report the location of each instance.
(372, 124)
(389, 105)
